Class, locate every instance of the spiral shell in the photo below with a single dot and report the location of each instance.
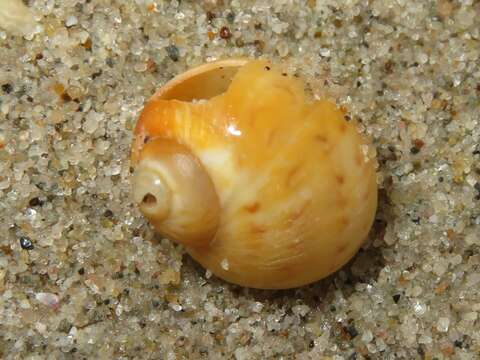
(264, 187)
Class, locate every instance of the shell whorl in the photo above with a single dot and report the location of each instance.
(175, 193)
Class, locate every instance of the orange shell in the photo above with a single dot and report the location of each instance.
(296, 186)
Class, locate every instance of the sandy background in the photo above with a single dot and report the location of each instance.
(82, 275)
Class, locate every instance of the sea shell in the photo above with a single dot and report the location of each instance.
(265, 187)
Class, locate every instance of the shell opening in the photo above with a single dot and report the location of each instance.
(202, 82)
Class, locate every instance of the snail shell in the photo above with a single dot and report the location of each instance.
(264, 187)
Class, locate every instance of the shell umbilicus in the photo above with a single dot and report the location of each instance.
(264, 187)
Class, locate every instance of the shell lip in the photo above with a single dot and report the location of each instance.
(198, 73)
(201, 82)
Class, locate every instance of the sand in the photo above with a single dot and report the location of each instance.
(82, 275)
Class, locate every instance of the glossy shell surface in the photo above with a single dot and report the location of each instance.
(295, 182)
